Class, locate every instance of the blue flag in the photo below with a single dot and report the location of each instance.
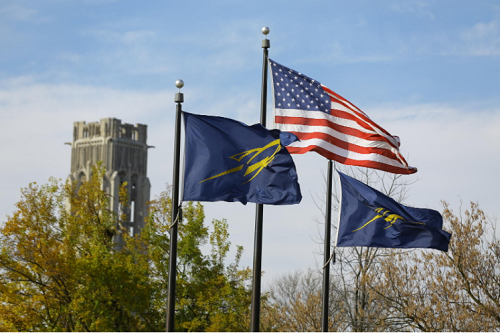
(226, 160)
(370, 218)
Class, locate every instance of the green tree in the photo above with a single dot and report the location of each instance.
(210, 296)
(67, 264)
(60, 269)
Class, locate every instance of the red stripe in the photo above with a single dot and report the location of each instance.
(346, 145)
(329, 91)
(347, 161)
(346, 115)
(360, 113)
(349, 116)
(341, 129)
(330, 124)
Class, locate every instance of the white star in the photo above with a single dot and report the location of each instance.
(308, 107)
(277, 83)
(288, 104)
(293, 99)
(298, 105)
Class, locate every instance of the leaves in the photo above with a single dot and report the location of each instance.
(210, 295)
(435, 291)
(67, 264)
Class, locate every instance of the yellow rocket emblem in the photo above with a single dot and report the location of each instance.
(256, 167)
(388, 216)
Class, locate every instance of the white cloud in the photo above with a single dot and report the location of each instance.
(454, 147)
(125, 37)
(483, 39)
(17, 12)
(99, 2)
(38, 119)
(420, 8)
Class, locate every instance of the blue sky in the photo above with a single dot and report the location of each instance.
(427, 71)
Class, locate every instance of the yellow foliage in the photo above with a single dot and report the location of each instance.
(459, 290)
(60, 269)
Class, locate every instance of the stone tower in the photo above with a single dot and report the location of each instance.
(123, 150)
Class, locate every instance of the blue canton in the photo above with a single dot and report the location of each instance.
(293, 90)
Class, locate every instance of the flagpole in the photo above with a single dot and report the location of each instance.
(326, 267)
(172, 267)
(259, 211)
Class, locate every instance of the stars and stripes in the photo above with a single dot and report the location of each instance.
(330, 125)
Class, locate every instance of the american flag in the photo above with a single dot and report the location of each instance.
(330, 125)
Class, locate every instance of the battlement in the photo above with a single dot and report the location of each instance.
(123, 151)
(109, 127)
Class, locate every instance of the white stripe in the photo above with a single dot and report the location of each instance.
(344, 101)
(335, 105)
(273, 125)
(347, 153)
(336, 134)
(328, 130)
(339, 135)
(323, 116)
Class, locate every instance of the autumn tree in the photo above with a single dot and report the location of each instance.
(353, 303)
(360, 307)
(67, 264)
(60, 269)
(459, 290)
(294, 304)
